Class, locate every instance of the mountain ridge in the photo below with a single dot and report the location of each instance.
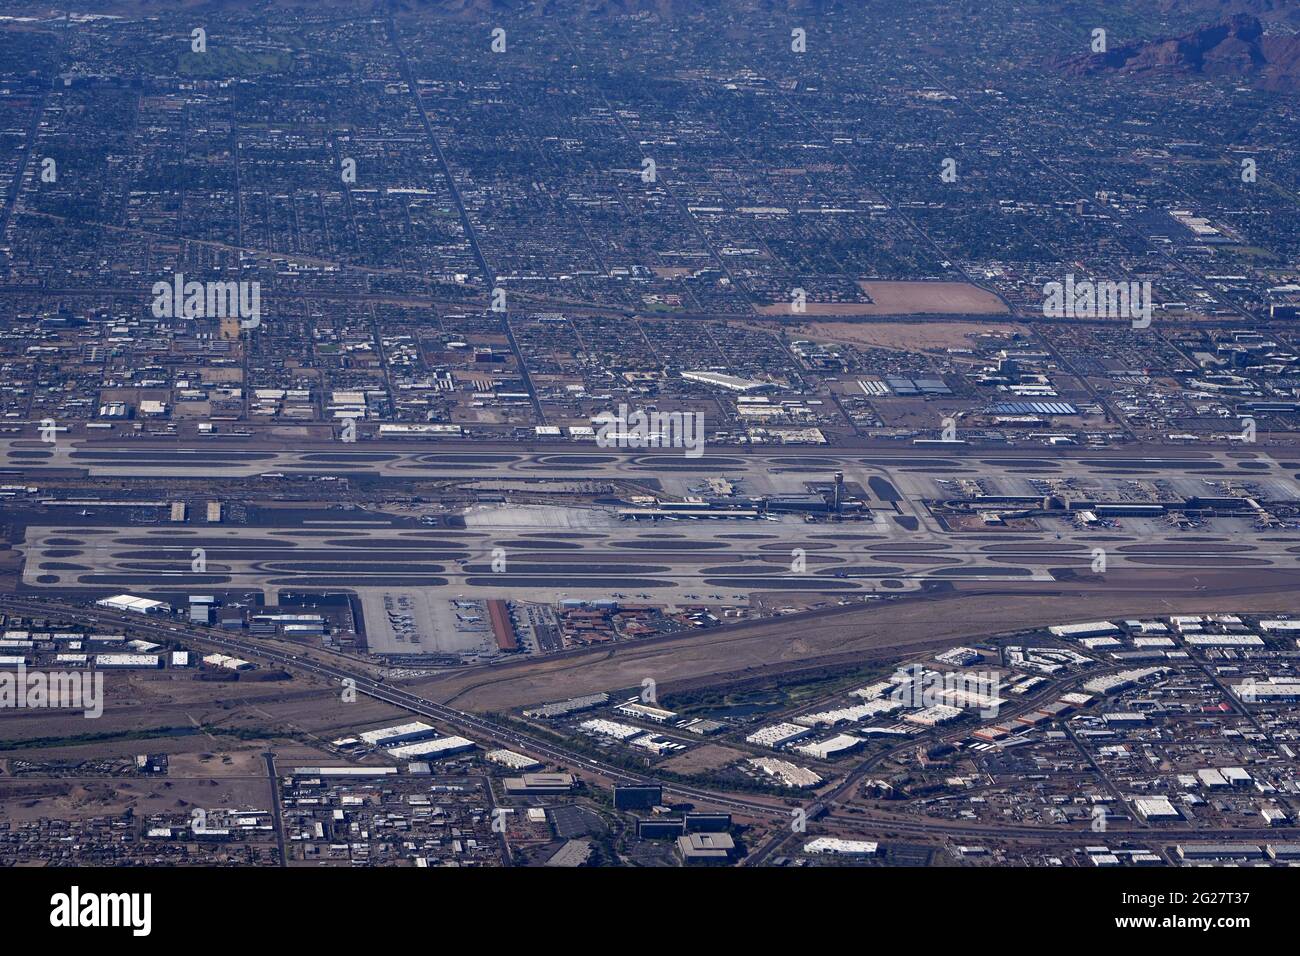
(1238, 48)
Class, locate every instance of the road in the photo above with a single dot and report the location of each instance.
(276, 809)
(773, 810)
(391, 694)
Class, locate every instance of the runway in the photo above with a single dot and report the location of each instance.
(547, 553)
(897, 478)
(578, 548)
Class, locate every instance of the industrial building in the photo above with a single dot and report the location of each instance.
(539, 784)
(227, 662)
(512, 760)
(432, 749)
(399, 734)
(842, 847)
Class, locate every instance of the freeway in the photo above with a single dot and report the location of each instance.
(510, 736)
(393, 695)
(933, 827)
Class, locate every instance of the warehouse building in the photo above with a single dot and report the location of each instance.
(778, 735)
(539, 784)
(432, 749)
(512, 760)
(399, 734)
(842, 847)
(1091, 629)
(227, 662)
(787, 773)
(831, 747)
(564, 708)
(128, 660)
(635, 709)
(1220, 851)
(1155, 809)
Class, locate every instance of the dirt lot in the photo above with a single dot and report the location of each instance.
(77, 798)
(159, 711)
(703, 759)
(247, 763)
(907, 298)
(905, 336)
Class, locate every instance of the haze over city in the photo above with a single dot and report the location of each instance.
(650, 434)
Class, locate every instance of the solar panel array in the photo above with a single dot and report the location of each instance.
(1035, 408)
